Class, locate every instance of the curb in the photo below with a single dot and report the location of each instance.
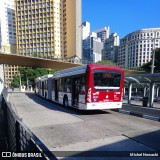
(146, 116)
(124, 111)
(151, 117)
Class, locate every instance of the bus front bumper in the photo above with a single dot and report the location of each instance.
(101, 105)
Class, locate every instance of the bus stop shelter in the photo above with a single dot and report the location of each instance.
(151, 81)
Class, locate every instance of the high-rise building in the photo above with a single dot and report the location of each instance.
(8, 36)
(102, 33)
(92, 48)
(110, 48)
(93, 43)
(7, 26)
(136, 48)
(49, 28)
(85, 29)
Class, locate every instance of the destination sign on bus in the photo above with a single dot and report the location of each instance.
(107, 75)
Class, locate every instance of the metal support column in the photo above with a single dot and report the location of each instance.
(157, 91)
(136, 92)
(124, 91)
(151, 98)
(144, 91)
(129, 92)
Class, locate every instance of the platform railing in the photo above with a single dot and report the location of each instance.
(20, 139)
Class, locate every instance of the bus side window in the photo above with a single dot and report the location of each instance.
(53, 85)
(61, 84)
(40, 85)
(83, 85)
(67, 85)
(45, 84)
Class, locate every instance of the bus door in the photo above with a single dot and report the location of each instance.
(43, 88)
(75, 91)
(56, 90)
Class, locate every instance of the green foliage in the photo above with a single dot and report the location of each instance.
(147, 66)
(30, 74)
(107, 62)
(16, 81)
(34, 54)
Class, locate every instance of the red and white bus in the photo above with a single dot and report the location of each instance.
(88, 87)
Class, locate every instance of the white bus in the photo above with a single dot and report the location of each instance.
(44, 86)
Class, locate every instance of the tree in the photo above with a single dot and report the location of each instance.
(30, 74)
(147, 66)
(16, 81)
(107, 62)
(35, 54)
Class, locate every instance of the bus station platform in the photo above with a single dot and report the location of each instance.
(140, 111)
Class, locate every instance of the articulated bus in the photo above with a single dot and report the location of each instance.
(44, 86)
(87, 87)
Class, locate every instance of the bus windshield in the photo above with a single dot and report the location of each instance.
(106, 80)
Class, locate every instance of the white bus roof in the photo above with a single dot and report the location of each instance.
(46, 76)
(70, 71)
(82, 69)
(37, 79)
(43, 77)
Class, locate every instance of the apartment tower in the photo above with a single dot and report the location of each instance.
(85, 30)
(110, 48)
(92, 49)
(137, 47)
(7, 26)
(7, 38)
(103, 33)
(49, 28)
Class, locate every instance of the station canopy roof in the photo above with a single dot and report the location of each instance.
(143, 78)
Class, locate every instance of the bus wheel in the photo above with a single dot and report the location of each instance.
(65, 102)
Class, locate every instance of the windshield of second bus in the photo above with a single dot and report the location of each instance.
(106, 80)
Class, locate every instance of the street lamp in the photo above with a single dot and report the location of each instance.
(81, 56)
(153, 55)
(153, 59)
(111, 53)
(26, 81)
(20, 83)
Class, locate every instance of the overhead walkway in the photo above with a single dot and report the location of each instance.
(28, 61)
(148, 83)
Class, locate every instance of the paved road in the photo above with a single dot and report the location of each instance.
(62, 129)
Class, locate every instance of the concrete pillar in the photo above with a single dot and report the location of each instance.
(151, 98)
(129, 92)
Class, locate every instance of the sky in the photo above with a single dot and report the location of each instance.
(122, 16)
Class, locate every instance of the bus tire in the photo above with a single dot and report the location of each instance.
(65, 101)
